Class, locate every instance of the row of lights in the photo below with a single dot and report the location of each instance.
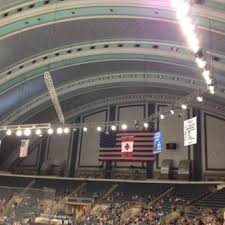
(66, 130)
(182, 8)
(28, 132)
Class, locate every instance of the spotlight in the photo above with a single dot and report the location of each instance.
(145, 125)
(162, 117)
(66, 130)
(38, 132)
(199, 99)
(19, 133)
(85, 129)
(27, 132)
(206, 75)
(99, 129)
(124, 126)
(59, 130)
(211, 89)
(8, 132)
(113, 127)
(183, 106)
(172, 112)
(201, 63)
(50, 131)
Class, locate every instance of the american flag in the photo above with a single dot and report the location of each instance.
(110, 146)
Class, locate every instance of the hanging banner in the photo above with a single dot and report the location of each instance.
(158, 142)
(190, 131)
(24, 148)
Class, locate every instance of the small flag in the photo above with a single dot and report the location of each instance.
(127, 146)
(24, 148)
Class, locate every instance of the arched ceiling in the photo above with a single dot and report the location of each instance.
(99, 49)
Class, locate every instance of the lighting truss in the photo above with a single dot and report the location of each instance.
(53, 96)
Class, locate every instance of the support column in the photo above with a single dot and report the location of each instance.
(72, 155)
(42, 151)
(108, 164)
(197, 149)
(150, 165)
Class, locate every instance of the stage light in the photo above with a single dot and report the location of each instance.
(200, 62)
(172, 112)
(38, 132)
(183, 106)
(19, 133)
(212, 89)
(27, 132)
(50, 131)
(124, 126)
(8, 132)
(99, 129)
(85, 129)
(66, 130)
(162, 117)
(199, 99)
(113, 127)
(206, 75)
(59, 130)
(145, 125)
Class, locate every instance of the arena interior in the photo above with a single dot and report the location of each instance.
(112, 112)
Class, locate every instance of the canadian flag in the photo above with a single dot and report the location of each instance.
(24, 148)
(127, 146)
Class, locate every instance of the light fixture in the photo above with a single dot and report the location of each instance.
(124, 126)
(19, 133)
(113, 127)
(27, 132)
(38, 132)
(66, 130)
(8, 132)
(183, 106)
(206, 75)
(99, 129)
(145, 125)
(59, 130)
(85, 129)
(199, 99)
(211, 89)
(172, 112)
(50, 131)
(200, 62)
(162, 117)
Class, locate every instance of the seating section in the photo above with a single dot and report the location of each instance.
(95, 189)
(214, 201)
(29, 197)
(183, 195)
(138, 191)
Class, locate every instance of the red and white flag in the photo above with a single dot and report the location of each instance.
(127, 145)
(24, 148)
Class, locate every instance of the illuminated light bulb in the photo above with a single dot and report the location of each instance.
(113, 127)
(59, 130)
(99, 129)
(38, 132)
(50, 131)
(85, 129)
(199, 99)
(8, 132)
(19, 133)
(201, 63)
(162, 117)
(183, 106)
(211, 89)
(27, 132)
(124, 126)
(206, 75)
(66, 130)
(145, 125)
(172, 112)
